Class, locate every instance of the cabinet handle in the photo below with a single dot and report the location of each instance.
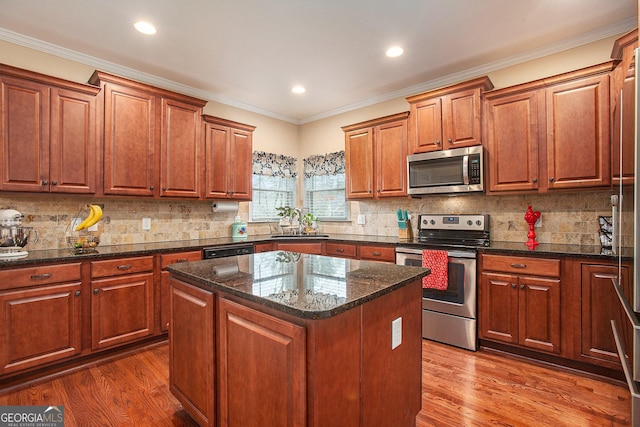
(96, 290)
(535, 180)
(77, 293)
(513, 285)
(521, 286)
(437, 142)
(552, 179)
(376, 253)
(124, 267)
(518, 265)
(181, 260)
(54, 182)
(164, 189)
(45, 182)
(40, 276)
(340, 250)
(152, 188)
(450, 140)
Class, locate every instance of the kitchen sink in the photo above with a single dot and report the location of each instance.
(298, 236)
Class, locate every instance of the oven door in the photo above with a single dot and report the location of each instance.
(459, 298)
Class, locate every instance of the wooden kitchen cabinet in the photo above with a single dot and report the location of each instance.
(191, 351)
(151, 139)
(377, 253)
(561, 125)
(245, 336)
(623, 109)
(376, 158)
(262, 247)
(40, 316)
(48, 130)
(447, 118)
(166, 260)
(300, 247)
(519, 302)
(122, 307)
(343, 250)
(228, 159)
(598, 305)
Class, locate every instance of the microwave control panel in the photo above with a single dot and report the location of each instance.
(474, 169)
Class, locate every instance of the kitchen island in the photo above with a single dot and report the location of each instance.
(281, 338)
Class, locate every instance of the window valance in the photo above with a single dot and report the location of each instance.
(271, 164)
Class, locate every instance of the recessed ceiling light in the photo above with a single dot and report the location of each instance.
(298, 89)
(145, 27)
(394, 51)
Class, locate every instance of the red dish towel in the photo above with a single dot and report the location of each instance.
(438, 262)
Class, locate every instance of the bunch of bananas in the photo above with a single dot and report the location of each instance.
(95, 214)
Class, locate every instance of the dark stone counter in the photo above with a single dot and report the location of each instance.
(305, 286)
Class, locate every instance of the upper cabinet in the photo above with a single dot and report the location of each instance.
(623, 109)
(48, 133)
(228, 159)
(447, 118)
(151, 140)
(376, 158)
(550, 134)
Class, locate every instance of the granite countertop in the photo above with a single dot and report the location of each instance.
(141, 249)
(305, 286)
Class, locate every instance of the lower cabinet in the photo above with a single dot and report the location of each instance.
(377, 253)
(598, 306)
(344, 250)
(40, 317)
(300, 247)
(520, 302)
(121, 301)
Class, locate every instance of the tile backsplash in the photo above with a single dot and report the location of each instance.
(570, 218)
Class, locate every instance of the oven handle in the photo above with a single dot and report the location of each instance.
(451, 253)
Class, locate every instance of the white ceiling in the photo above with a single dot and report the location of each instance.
(249, 53)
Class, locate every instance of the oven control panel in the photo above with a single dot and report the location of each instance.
(454, 222)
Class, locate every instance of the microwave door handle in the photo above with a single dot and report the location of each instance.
(465, 169)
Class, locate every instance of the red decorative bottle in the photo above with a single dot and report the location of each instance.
(531, 217)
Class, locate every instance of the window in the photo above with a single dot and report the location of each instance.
(274, 184)
(324, 187)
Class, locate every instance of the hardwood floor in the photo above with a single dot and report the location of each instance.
(459, 388)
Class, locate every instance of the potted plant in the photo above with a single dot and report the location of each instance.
(309, 222)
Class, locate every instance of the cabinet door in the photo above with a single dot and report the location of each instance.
(121, 309)
(599, 304)
(25, 135)
(180, 150)
(191, 348)
(359, 163)
(39, 325)
(240, 183)
(73, 166)
(539, 324)
(129, 141)
(512, 142)
(461, 123)
(425, 127)
(262, 368)
(391, 159)
(217, 159)
(498, 315)
(578, 141)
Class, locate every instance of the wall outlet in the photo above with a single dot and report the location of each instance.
(146, 224)
(396, 333)
(361, 220)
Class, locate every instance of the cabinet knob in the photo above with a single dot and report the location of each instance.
(437, 142)
(552, 179)
(77, 293)
(164, 189)
(45, 182)
(152, 188)
(96, 290)
(513, 285)
(535, 180)
(521, 286)
(54, 182)
(450, 140)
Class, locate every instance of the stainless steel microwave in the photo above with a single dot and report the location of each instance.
(459, 170)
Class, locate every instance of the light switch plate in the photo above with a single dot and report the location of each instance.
(146, 224)
(396, 333)
(361, 220)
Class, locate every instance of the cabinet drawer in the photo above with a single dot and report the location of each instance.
(378, 253)
(262, 247)
(117, 267)
(41, 275)
(168, 259)
(522, 265)
(340, 249)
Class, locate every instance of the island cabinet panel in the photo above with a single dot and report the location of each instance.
(377, 253)
(192, 370)
(343, 250)
(262, 369)
(121, 301)
(304, 248)
(39, 325)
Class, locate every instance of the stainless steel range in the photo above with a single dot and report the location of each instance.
(449, 315)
